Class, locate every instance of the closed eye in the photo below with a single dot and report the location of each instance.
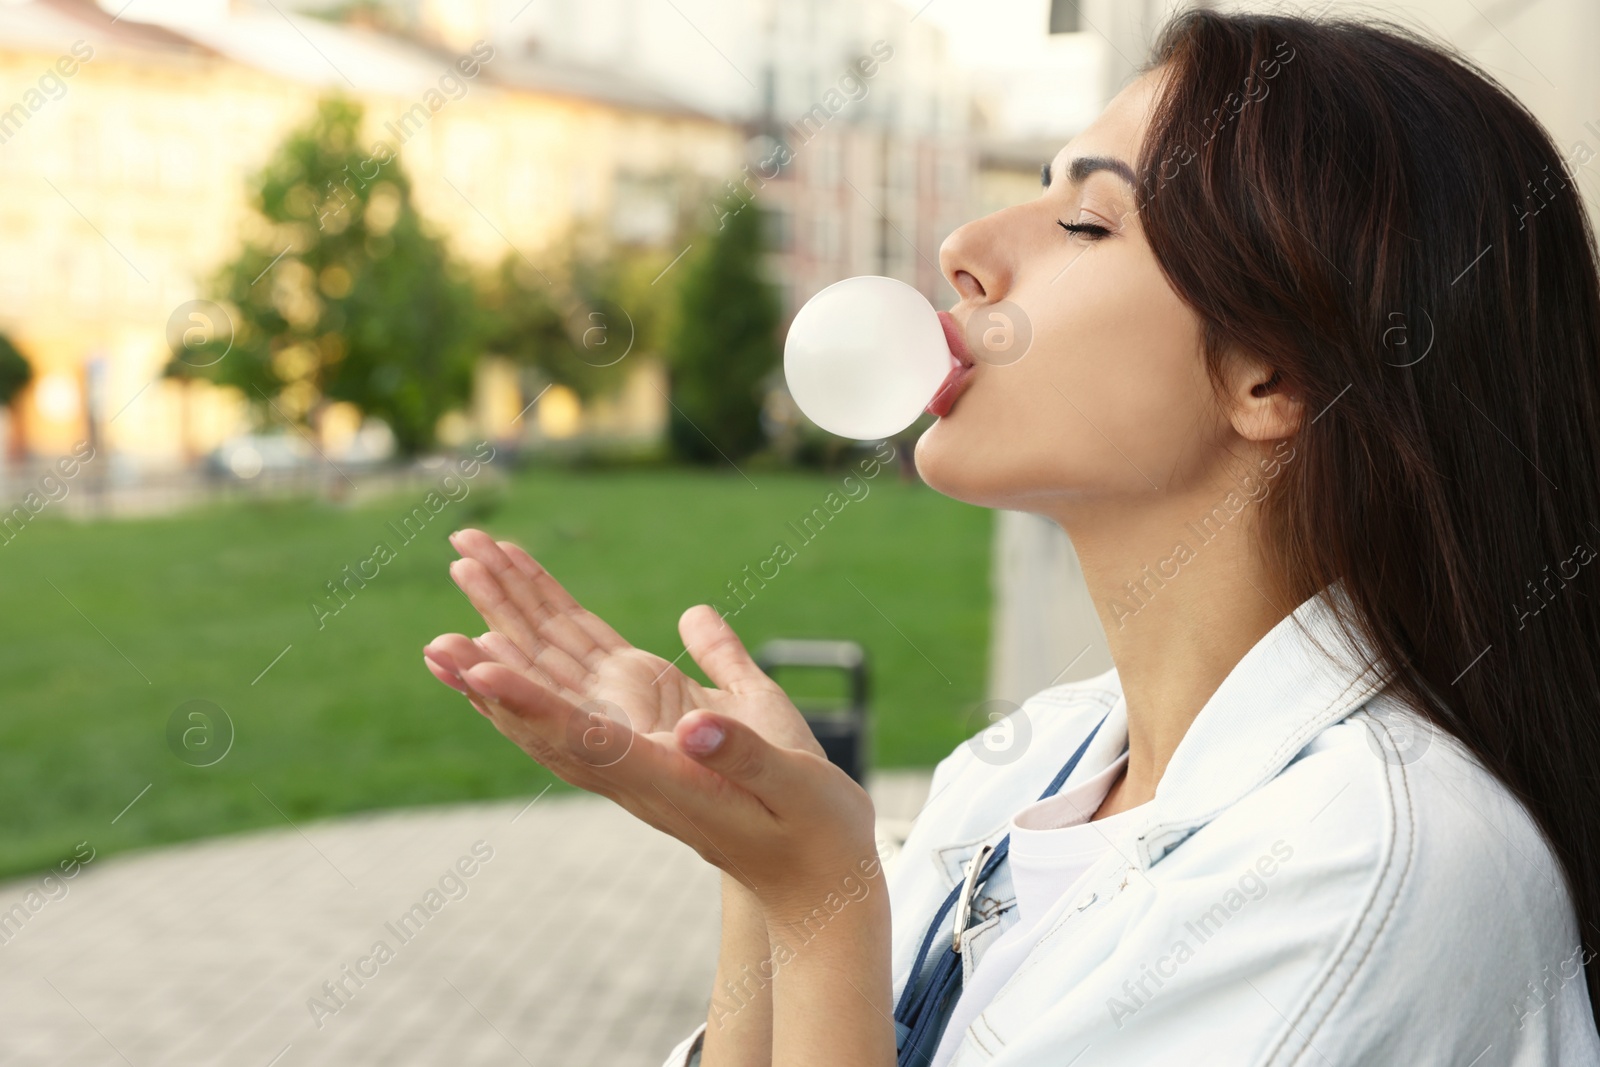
(1087, 229)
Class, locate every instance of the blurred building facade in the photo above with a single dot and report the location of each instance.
(856, 116)
(877, 187)
(848, 123)
(123, 184)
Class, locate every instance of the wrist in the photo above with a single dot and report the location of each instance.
(831, 948)
(741, 908)
(857, 885)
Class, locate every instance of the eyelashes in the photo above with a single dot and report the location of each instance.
(1088, 230)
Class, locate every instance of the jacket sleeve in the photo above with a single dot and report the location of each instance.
(687, 1054)
(1470, 951)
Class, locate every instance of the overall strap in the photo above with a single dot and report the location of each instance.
(923, 1010)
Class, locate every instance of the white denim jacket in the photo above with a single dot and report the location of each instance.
(1322, 879)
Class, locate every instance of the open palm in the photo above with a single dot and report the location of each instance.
(578, 661)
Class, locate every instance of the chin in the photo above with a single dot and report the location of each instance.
(955, 470)
(987, 472)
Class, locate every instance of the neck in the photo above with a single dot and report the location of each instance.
(1182, 595)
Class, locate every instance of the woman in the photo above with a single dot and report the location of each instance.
(1313, 390)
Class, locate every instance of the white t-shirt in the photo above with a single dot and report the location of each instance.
(1052, 844)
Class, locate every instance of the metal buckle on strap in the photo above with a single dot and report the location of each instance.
(964, 901)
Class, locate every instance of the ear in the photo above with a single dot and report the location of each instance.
(1262, 404)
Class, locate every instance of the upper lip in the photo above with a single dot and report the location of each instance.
(961, 366)
(955, 338)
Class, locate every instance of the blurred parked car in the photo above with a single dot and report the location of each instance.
(251, 455)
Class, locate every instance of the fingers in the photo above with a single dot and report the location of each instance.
(594, 748)
(536, 719)
(544, 609)
(582, 745)
(719, 652)
(486, 647)
(444, 673)
(456, 651)
(796, 791)
(493, 601)
(597, 628)
(745, 758)
(446, 656)
(712, 782)
(490, 599)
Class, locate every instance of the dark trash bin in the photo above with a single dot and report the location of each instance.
(841, 729)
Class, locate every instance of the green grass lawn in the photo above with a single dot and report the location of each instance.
(113, 625)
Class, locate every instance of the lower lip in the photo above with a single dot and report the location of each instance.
(952, 386)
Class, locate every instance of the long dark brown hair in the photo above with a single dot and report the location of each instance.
(1399, 239)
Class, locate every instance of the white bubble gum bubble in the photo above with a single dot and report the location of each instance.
(865, 356)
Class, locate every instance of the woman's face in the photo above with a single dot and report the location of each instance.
(1110, 398)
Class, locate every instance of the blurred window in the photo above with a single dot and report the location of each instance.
(1064, 16)
(177, 162)
(85, 152)
(85, 282)
(952, 172)
(779, 224)
(643, 209)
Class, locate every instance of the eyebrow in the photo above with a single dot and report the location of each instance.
(1083, 166)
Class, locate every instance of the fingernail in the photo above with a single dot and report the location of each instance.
(703, 739)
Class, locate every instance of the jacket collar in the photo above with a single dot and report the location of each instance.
(1303, 676)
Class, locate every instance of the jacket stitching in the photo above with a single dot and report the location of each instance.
(1372, 938)
(994, 1035)
(1105, 698)
(1298, 739)
(941, 864)
(1333, 965)
(987, 907)
(1394, 899)
(977, 1039)
(1362, 679)
(1034, 957)
(969, 960)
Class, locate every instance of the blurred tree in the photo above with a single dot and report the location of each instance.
(382, 15)
(344, 294)
(15, 372)
(723, 342)
(581, 318)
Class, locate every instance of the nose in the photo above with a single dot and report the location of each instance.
(972, 260)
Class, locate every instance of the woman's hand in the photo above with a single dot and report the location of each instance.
(734, 772)
(538, 628)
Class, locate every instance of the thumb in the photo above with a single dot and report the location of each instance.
(719, 652)
(737, 753)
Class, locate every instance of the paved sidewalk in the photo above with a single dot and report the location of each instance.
(580, 937)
